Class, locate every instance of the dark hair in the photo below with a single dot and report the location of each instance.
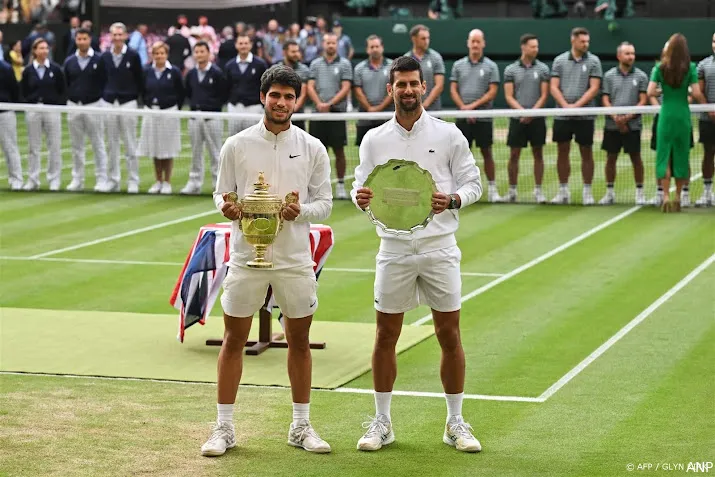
(415, 30)
(83, 31)
(243, 35)
(675, 61)
(373, 37)
(405, 63)
(202, 43)
(288, 43)
(578, 31)
(527, 37)
(282, 75)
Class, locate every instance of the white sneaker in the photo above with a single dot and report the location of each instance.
(705, 200)
(640, 197)
(457, 433)
(156, 188)
(111, 186)
(608, 199)
(340, 191)
(685, 199)
(656, 201)
(587, 197)
(539, 196)
(16, 185)
(165, 188)
(511, 196)
(222, 437)
(494, 196)
(379, 433)
(132, 188)
(30, 186)
(75, 186)
(191, 188)
(304, 436)
(563, 197)
(101, 186)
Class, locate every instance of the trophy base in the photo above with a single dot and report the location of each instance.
(259, 264)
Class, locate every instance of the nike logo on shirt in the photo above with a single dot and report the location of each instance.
(293, 157)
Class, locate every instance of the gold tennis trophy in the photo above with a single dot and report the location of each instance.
(261, 219)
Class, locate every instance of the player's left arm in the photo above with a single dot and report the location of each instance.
(594, 85)
(465, 171)
(319, 203)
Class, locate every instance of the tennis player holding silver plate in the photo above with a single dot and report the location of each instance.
(419, 260)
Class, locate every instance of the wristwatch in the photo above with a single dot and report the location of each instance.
(453, 202)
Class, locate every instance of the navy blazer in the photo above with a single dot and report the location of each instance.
(165, 91)
(85, 86)
(208, 95)
(9, 88)
(245, 88)
(126, 82)
(48, 90)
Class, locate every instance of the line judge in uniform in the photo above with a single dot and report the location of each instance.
(161, 136)
(474, 85)
(86, 77)
(10, 93)
(370, 85)
(432, 66)
(43, 82)
(329, 86)
(243, 74)
(206, 89)
(291, 58)
(125, 85)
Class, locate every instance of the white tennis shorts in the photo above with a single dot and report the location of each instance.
(403, 282)
(294, 289)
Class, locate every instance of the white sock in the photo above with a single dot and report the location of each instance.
(587, 187)
(564, 187)
(512, 187)
(454, 405)
(708, 187)
(300, 411)
(382, 403)
(225, 413)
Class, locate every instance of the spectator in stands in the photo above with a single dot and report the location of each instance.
(575, 82)
(182, 27)
(526, 86)
(609, 10)
(321, 27)
(3, 53)
(208, 33)
(676, 75)
(474, 84)
(243, 74)
(432, 66)
(125, 85)
(706, 80)
(240, 29)
(272, 43)
(207, 90)
(257, 45)
(549, 8)
(179, 49)
(445, 9)
(624, 85)
(293, 32)
(227, 50)
(69, 43)
(291, 57)
(329, 87)
(345, 44)
(311, 48)
(161, 136)
(10, 93)
(137, 42)
(16, 60)
(370, 80)
(87, 25)
(43, 82)
(86, 76)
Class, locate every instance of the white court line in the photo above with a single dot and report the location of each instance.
(178, 264)
(481, 397)
(624, 331)
(546, 256)
(124, 234)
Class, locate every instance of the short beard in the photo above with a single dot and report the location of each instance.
(405, 108)
(271, 118)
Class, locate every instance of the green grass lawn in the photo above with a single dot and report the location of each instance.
(649, 398)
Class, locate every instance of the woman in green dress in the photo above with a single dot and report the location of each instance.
(675, 74)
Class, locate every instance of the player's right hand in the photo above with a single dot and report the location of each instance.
(230, 210)
(363, 197)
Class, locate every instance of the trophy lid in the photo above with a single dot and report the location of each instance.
(260, 191)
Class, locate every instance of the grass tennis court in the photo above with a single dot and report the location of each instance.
(588, 336)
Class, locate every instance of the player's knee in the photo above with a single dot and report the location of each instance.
(448, 337)
(386, 338)
(233, 342)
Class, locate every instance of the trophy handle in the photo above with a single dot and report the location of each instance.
(233, 197)
(290, 198)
